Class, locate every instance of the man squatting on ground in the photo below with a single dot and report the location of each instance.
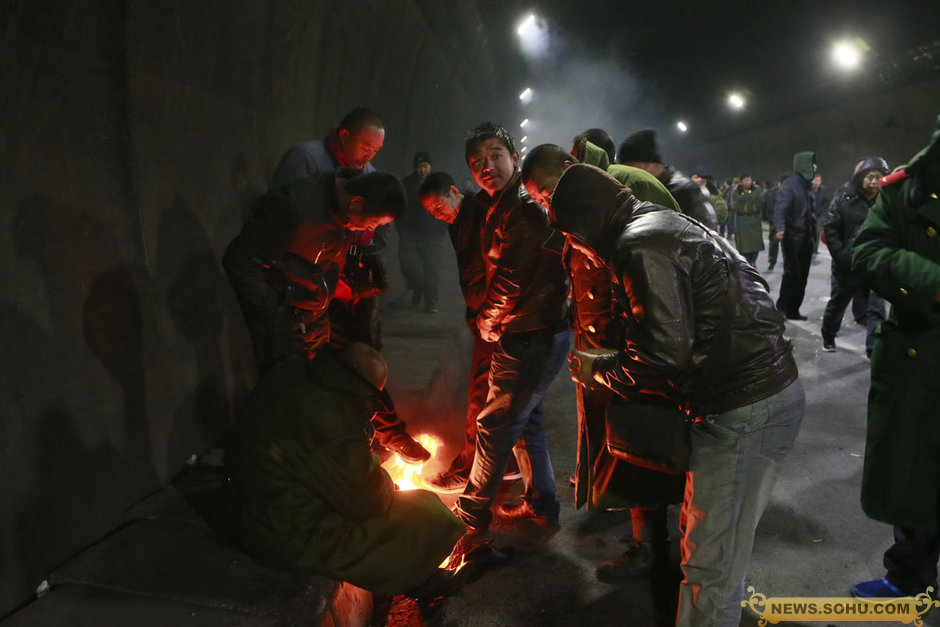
(523, 313)
(311, 498)
(602, 481)
(675, 278)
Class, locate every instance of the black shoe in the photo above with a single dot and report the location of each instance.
(796, 316)
(524, 511)
(770, 267)
(447, 482)
(638, 561)
(829, 344)
(410, 450)
(416, 297)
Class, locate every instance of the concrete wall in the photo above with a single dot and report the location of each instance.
(893, 123)
(133, 135)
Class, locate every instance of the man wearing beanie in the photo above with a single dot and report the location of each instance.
(640, 151)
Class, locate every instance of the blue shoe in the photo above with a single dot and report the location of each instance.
(877, 588)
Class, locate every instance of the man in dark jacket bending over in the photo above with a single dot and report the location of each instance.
(285, 265)
(693, 308)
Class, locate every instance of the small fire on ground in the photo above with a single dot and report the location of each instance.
(408, 476)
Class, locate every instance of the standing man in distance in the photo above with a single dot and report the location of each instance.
(846, 214)
(795, 227)
(420, 239)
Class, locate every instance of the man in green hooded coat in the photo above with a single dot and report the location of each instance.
(897, 253)
(309, 495)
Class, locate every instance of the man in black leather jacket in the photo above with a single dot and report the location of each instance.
(523, 312)
(694, 311)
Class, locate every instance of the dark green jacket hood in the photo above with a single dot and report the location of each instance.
(803, 164)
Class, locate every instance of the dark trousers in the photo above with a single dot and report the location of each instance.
(797, 257)
(479, 387)
(911, 561)
(522, 367)
(420, 256)
(773, 247)
(866, 308)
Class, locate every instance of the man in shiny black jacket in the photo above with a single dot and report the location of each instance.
(674, 280)
(841, 224)
(523, 312)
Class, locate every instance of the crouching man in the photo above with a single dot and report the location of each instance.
(701, 331)
(309, 495)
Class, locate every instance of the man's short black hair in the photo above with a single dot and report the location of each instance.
(550, 157)
(382, 191)
(600, 138)
(436, 183)
(745, 175)
(357, 118)
(488, 130)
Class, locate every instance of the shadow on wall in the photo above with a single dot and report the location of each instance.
(85, 455)
(194, 290)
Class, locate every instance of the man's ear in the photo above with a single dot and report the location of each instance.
(454, 190)
(566, 164)
(343, 134)
(515, 158)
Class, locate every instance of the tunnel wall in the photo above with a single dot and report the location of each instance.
(134, 136)
(893, 123)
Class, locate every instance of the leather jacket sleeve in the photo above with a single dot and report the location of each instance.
(515, 248)
(656, 297)
(833, 227)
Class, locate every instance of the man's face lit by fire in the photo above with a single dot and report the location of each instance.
(541, 186)
(492, 164)
(360, 146)
(443, 206)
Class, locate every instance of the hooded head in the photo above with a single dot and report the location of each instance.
(586, 202)
(804, 164)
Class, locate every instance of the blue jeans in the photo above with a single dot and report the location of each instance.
(735, 460)
(522, 367)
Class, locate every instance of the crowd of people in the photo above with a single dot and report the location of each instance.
(644, 280)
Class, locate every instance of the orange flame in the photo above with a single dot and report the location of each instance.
(409, 476)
